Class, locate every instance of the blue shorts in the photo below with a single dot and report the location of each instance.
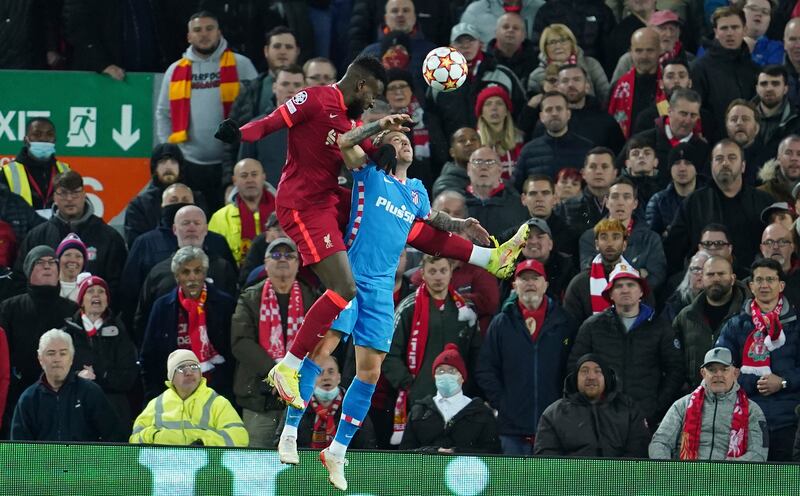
(369, 318)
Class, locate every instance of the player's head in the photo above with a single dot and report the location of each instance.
(402, 145)
(362, 83)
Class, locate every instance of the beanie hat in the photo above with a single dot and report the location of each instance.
(608, 373)
(178, 357)
(450, 356)
(395, 38)
(35, 254)
(490, 91)
(85, 281)
(72, 241)
(395, 74)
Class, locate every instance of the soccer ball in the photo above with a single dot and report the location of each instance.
(445, 69)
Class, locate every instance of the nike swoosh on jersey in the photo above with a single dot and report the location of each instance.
(333, 116)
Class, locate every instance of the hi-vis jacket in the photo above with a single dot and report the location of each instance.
(18, 182)
(204, 416)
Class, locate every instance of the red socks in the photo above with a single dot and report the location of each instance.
(316, 323)
(438, 243)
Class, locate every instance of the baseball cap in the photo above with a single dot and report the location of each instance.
(661, 17)
(281, 242)
(775, 207)
(464, 28)
(530, 264)
(541, 225)
(718, 355)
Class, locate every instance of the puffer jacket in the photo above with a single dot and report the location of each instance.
(205, 417)
(548, 155)
(573, 426)
(646, 358)
(715, 429)
(785, 362)
(696, 337)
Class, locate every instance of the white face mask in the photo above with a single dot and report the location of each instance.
(326, 396)
(447, 384)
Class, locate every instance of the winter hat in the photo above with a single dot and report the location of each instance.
(395, 74)
(35, 254)
(179, 357)
(395, 38)
(683, 151)
(490, 91)
(625, 271)
(72, 241)
(85, 281)
(450, 356)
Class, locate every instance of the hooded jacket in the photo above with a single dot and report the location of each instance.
(775, 182)
(715, 428)
(574, 426)
(778, 407)
(206, 104)
(521, 377)
(646, 358)
(696, 336)
(105, 246)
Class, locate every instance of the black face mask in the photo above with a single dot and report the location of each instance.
(168, 213)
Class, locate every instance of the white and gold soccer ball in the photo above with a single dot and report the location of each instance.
(445, 69)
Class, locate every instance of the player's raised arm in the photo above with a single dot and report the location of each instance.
(354, 156)
(469, 226)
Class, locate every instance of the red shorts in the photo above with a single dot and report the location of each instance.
(316, 231)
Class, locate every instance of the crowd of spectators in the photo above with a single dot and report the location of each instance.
(655, 155)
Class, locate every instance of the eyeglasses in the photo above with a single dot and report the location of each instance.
(397, 87)
(189, 367)
(557, 41)
(770, 280)
(276, 255)
(489, 162)
(320, 77)
(780, 243)
(756, 10)
(64, 193)
(45, 263)
(714, 245)
(694, 269)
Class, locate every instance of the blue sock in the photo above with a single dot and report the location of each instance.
(308, 377)
(354, 409)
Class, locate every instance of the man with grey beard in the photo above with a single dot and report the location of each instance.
(778, 244)
(697, 326)
(728, 201)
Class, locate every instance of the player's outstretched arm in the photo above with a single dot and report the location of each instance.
(469, 226)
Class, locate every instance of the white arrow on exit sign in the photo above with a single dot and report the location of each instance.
(126, 138)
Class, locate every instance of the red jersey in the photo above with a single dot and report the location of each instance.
(315, 117)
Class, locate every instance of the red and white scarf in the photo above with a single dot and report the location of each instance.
(324, 423)
(693, 423)
(91, 326)
(248, 220)
(767, 336)
(598, 282)
(198, 332)
(620, 105)
(270, 329)
(415, 350)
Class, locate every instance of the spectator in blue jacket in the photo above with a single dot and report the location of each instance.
(523, 358)
(765, 342)
(663, 206)
(763, 50)
(61, 406)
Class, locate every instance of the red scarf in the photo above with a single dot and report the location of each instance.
(671, 54)
(324, 424)
(396, 57)
(473, 65)
(571, 60)
(693, 422)
(91, 326)
(198, 333)
(620, 105)
(415, 350)
(270, 329)
(767, 336)
(180, 93)
(248, 220)
(533, 318)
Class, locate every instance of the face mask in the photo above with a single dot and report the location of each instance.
(447, 384)
(42, 149)
(326, 396)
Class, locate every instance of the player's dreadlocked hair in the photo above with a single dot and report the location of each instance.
(369, 65)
